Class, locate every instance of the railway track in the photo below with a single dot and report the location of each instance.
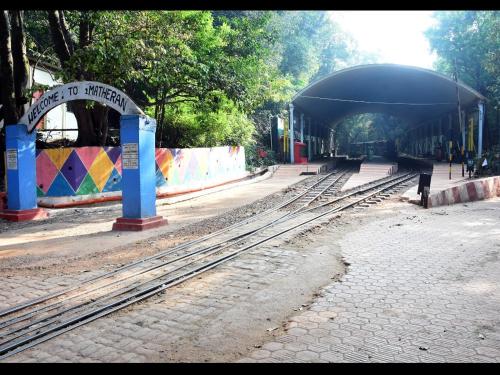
(39, 320)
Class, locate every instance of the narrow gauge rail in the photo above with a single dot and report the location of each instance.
(9, 322)
(317, 186)
(34, 333)
(169, 251)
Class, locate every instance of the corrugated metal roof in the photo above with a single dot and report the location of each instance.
(411, 93)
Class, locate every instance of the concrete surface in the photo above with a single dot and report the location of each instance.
(422, 286)
(371, 171)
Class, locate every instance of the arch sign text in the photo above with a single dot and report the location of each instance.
(83, 90)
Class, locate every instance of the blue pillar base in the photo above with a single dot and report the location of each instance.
(24, 215)
(127, 224)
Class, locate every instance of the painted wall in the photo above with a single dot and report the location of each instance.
(96, 171)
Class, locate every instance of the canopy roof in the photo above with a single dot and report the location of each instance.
(422, 94)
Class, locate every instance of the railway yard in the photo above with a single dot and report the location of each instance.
(285, 269)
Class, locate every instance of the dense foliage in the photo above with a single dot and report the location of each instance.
(469, 42)
(209, 78)
(217, 78)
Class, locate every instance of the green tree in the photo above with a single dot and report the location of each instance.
(13, 74)
(470, 42)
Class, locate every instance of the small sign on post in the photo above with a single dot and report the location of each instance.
(12, 159)
(130, 156)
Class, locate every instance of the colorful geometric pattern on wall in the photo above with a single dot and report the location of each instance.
(94, 170)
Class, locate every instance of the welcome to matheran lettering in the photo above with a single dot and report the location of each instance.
(85, 90)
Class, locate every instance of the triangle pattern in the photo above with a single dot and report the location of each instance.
(39, 192)
(114, 182)
(74, 171)
(46, 171)
(60, 187)
(58, 155)
(118, 164)
(87, 155)
(101, 169)
(113, 153)
(165, 162)
(87, 186)
(160, 179)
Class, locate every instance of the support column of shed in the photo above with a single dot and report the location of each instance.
(480, 130)
(302, 128)
(292, 159)
(309, 140)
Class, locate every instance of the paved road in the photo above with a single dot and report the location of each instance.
(422, 286)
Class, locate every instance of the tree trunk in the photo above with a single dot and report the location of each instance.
(7, 68)
(61, 45)
(14, 69)
(21, 64)
(92, 123)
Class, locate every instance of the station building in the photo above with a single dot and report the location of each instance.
(425, 100)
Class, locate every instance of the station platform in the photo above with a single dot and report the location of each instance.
(370, 171)
(304, 169)
(458, 189)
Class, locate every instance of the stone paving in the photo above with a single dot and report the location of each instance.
(422, 286)
(418, 289)
(205, 319)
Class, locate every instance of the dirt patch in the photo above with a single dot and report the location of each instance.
(106, 249)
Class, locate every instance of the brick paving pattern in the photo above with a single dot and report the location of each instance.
(419, 289)
(198, 311)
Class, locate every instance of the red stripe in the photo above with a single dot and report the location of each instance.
(471, 191)
(456, 194)
(486, 189)
(443, 198)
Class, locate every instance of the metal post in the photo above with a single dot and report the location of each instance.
(271, 134)
(291, 134)
(463, 128)
(450, 143)
(460, 122)
(480, 129)
(309, 140)
(302, 128)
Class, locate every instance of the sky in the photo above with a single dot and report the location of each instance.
(397, 37)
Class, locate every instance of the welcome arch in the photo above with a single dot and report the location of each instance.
(137, 138)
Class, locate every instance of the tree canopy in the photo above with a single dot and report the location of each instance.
(468, 43)
(209, 78)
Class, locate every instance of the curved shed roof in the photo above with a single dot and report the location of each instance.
(384, 88)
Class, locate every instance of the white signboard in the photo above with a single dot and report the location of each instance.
(84, 90)
(12, 158)
(130, 156)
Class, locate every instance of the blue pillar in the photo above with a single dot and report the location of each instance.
(21, 167)
(21, 175)
(137, 135)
